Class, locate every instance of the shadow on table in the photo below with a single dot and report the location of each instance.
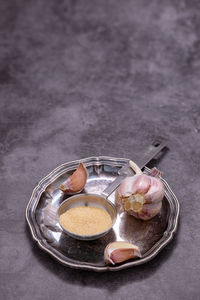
(106, 280)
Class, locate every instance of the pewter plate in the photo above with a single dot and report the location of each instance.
(151, 236)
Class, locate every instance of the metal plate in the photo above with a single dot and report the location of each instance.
(151, 236)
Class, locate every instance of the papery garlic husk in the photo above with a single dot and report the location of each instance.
(49, 215)
(141, 195)
(76, 182)
(118, 252)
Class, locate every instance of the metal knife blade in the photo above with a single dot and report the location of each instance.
(158, 145)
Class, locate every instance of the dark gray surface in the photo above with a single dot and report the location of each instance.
(83, 78)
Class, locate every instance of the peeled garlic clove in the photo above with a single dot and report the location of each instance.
(118, 252)
(76, 182)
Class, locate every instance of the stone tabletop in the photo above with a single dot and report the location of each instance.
(90, 78)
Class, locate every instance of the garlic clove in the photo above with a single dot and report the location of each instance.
(148, 211)
(142, 184)
(156, 193)
(76, 182)
(127, 186)
(118, 252)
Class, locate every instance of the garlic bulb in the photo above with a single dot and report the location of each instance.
(118, 252)
(141, 195)
(76, 182)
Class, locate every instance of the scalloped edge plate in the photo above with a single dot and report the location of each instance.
(50, 178)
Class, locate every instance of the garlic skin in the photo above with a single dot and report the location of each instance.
(118, 252)
(76, 182)
(141, 195)
(49, 215)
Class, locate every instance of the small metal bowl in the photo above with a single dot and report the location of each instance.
(92, 200)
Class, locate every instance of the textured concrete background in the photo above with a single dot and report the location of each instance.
(83, 78)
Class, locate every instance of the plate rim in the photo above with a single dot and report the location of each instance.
(56, 172)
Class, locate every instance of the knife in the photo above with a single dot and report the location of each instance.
(157, 146)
